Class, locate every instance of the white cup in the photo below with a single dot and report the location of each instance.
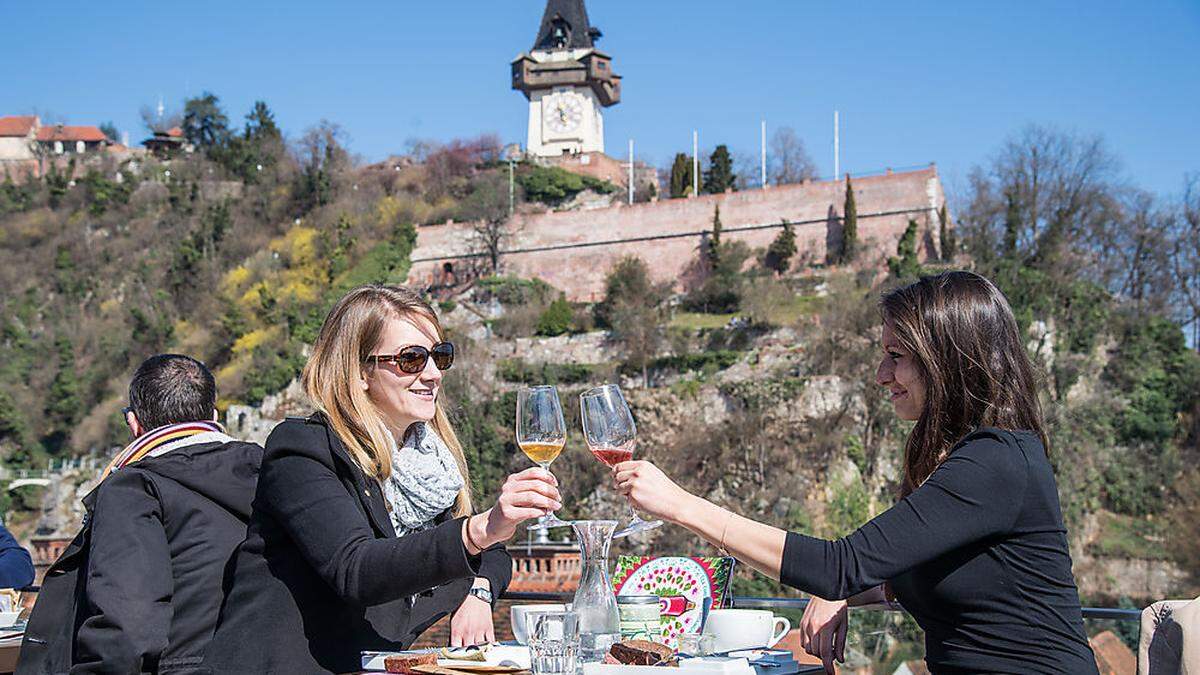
(745, 628)
(519, 612)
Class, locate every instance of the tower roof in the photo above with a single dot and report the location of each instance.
(565, 26)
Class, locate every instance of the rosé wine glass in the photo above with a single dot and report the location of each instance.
(611, 435)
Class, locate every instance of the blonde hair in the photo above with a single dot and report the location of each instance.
(332, 379)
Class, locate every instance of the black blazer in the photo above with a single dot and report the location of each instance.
(322, 575)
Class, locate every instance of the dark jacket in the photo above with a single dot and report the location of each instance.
(139, 589)
(16, 569)
(322, 576)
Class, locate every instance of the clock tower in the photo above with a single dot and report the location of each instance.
(567, 81)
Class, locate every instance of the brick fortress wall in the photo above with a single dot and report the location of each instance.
(580, 271)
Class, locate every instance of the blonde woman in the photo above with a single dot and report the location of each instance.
(362, 533)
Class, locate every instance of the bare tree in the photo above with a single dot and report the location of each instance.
(323, 147)
(788, 161)
(486, 206)
(747, 169)
(1185, 255)
(1144, 244)
(156, 123)
(1058, 197)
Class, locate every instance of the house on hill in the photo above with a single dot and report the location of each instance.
(167, 143)
(25, 143)
(61, 139)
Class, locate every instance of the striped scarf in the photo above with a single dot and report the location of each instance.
(164, 439)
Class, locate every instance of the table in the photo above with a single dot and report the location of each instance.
(10, 649)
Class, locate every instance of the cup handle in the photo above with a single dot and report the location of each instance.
(780, 634)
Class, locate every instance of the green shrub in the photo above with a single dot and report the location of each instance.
(849, 508)
(705, 363)
(514, 290)
(556, 319)
(553, 185)
(519, 370)
(270, 372)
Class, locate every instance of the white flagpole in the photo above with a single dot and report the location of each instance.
(695, 163)
(631, 171)
(837, 169)
(764, 153)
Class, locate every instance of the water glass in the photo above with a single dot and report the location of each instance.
(695, 644)
(553, 642)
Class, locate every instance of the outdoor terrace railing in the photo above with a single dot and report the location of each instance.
(880, 637)
(798, 604)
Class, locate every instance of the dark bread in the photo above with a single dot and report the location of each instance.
(404, 663)
(641, 653)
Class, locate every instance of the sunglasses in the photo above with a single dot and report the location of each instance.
(412, 359)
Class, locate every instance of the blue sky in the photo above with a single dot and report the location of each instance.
(914, 81)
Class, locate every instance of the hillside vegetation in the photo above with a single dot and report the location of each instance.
(234, 253)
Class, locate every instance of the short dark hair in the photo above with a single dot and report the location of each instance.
(171, 389)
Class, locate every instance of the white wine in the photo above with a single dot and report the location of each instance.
(542, 453)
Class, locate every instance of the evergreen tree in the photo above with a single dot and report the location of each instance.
(64, 404)
(1012, 224)
(714, 243)
(905, 264)
(780, 252)
(260, 123)
(57, 182)
(946, 241)
(681, 176)
(110, 132)
(204, 123)
(849, 226)
(719, 176)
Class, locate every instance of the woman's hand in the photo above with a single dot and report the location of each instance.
(649, 490)
(530, 494)
(472, 624)
(823, 630)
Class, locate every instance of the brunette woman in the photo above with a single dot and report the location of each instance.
(362, 533)
(975, 549)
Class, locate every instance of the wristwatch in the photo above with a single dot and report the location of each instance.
(482, 593)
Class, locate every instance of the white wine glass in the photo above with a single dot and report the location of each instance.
(541, 435)
(611, 435)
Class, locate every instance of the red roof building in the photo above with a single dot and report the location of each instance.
(20, 126)
(167, 143)
(61, 139)
(67, 134)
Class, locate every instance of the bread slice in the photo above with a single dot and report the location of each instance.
(404, 663)
(641, 653)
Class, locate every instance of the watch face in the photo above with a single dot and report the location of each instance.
(564, 113)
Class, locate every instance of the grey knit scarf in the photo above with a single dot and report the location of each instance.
(425, 480)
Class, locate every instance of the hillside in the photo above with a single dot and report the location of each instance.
(755, 383)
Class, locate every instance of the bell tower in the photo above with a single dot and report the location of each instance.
(567, 81)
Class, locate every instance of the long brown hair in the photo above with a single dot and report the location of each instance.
(332, 379)
(969, 353)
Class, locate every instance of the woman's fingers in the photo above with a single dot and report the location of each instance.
(535, 500)
(535, 472)
(825, 642)
(533, 486)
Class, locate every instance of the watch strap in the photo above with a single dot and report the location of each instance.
(483, 594)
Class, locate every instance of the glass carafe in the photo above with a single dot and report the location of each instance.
(595, 603)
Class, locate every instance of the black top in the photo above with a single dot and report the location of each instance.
(322, 576)
(163, 530)
(977, 554)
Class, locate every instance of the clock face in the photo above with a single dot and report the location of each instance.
(564, 113)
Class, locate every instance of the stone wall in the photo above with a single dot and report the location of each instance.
(579, 270)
